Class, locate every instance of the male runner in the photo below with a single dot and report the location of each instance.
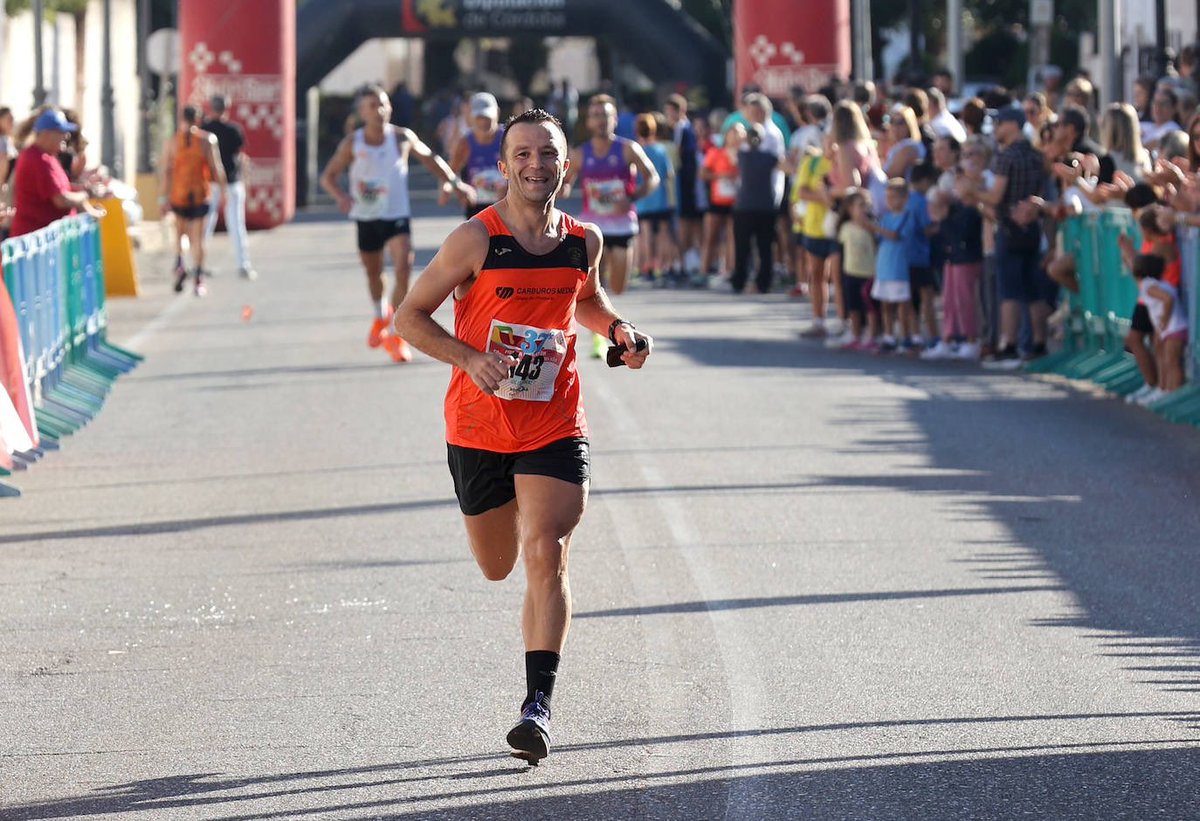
(476, 155)
(377, 158)
(523, 274)
(607, 169)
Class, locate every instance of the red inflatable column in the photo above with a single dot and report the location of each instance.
(780, 44)
(246, 50)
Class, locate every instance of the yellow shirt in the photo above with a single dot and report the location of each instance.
(811, 176)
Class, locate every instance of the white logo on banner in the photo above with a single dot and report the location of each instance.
(762, 51)
(257, 106)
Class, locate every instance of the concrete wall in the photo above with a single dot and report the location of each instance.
(59, 74)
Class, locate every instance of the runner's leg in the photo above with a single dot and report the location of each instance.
(619, 260)
(401, 249)
(373, 264)
(493, 536)
(550, 511)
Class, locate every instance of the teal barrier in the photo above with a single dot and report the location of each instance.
(1184, 404)
(1093, 345)
(55, 278)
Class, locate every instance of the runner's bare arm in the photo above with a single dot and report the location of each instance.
(438, 167)
(636, 155)
(460, 258)
(334, 169)
(458, 162)
(574, 165)
(216, 166)
(594, 310)
(166, 166)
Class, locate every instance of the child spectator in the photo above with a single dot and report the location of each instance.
(1170, 324)
(891, 286)
(1158, 239)
(921, 276)
(959, 239)
(858, 269)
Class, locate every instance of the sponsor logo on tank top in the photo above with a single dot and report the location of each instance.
(504, 293)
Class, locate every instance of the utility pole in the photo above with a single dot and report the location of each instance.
(915, 66)
(145, 107)
(108, 154)
(1160, 35)
(1110, 51)
(954, 40)
(864, 60)
(39, 85)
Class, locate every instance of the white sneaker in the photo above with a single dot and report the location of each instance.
(1152, 397)
(840, 340)
(967, 350)
(917, 341)
(1138, 395)
(940, 350)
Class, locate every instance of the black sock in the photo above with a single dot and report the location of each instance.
(541, 668)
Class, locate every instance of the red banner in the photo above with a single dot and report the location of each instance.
(18, 427)
(246, 50)
(781, 44)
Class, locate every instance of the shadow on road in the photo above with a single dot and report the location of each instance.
(1047, 781)
(1099, 497)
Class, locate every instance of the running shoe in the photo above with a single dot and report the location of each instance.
(200, 288)
(1006, 359)
(181, 276)
(379, 330)
(248, 273)
(397, 347)
(1152, 397)
(841, 340)
(599, 346)
(1137, 396)
(814, 331)
(530, 739)
(967, 350)
(939, 350)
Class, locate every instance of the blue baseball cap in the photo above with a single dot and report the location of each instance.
(53, 120)
(1009, 114)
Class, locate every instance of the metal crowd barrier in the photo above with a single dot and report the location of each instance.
(55, 278)
(1093, 347)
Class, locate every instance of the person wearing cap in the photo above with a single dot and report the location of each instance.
(475, 157)
(42, 193)
(230, 141)
(1020, 175)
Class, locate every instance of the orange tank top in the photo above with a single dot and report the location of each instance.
(191, 174)
(521, 304)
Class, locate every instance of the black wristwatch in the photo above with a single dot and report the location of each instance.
(612, 329)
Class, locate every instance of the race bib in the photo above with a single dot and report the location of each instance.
(540, 354)
(489, 186)
(727, 188)
(370, 199)
(603, 196)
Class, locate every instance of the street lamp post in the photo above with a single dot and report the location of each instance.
(1110, 51)
(108, 155)
(39, 87)
(143, 26)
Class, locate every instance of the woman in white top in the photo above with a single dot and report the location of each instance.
(906, 149)
(1122, 138)
(1170, 322)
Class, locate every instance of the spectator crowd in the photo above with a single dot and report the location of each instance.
(917, 223)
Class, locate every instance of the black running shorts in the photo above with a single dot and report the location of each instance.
(374, 234)
(483, 479)
(191, 212)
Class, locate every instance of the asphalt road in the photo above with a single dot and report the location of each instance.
(809, 585)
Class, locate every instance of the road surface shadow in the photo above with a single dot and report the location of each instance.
(1099, 497)
(1134, 780)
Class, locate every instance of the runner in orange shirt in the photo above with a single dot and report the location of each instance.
(523, 274)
